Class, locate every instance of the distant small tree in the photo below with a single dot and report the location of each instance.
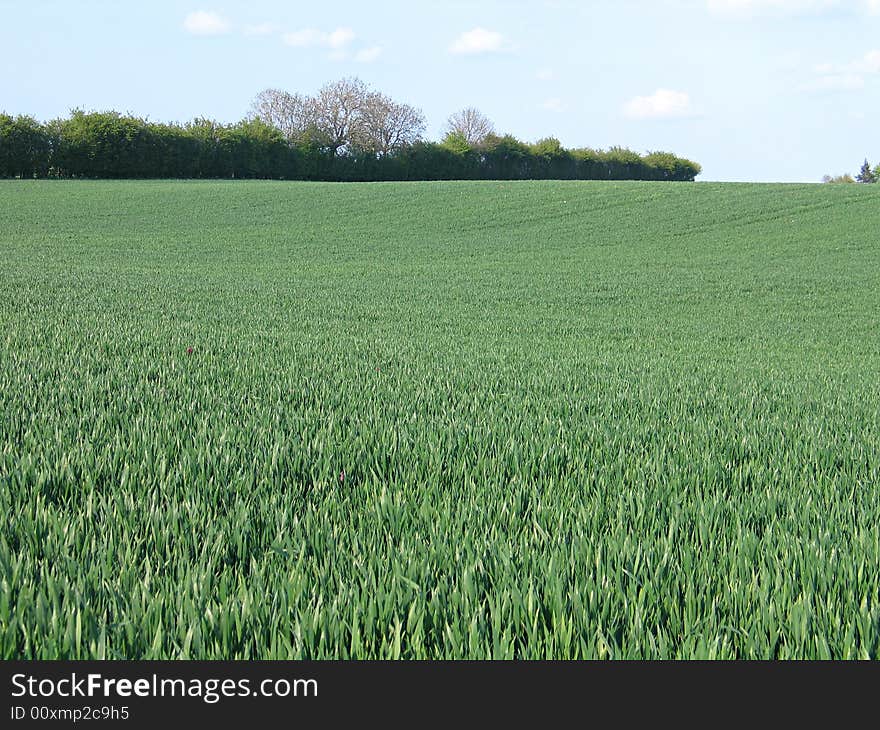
(866, 174)
(838, 179)
(471, 124)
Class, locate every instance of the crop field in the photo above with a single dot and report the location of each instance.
(439, 420)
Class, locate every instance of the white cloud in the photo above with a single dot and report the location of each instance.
(869, 63)
(662, 104)
(305, 38)
(259, 29)
(203, 22)
(554, 104)
(761, 7)
(478, 40)
(545, 74)
(751, 8)
(835, 82)
(846, 76)
(310, 38)
(368, 55)
(340, 37)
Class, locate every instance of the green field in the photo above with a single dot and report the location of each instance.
(444, 420)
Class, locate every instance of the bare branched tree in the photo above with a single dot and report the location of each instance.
(387, 126)
(471, 124)
(342, 117)
(337, 111)
(292, 114)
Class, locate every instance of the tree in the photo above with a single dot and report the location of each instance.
(103, 145)
(387, 126)
(24, 147)
(505, 158)
(471, 124)
(623, 164)
(7, 147)
(455, 142)
(549, 147)
(838, 179)
(346, 132)
(866, 174)
(338, 113)
(292, 114)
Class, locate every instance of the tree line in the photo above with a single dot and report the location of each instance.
(866, 174)
(345, 132)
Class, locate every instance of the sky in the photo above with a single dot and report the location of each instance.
(754, 90)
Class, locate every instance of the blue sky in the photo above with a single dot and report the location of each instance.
(760, 90)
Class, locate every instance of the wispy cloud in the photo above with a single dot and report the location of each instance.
(749, 8)
(259, 29)
(754, 8)
(368, 55)
(835, 82)
(476, 41)
(662, 104)
(312, 38)
(203, 22)
(545, 74)
(554, 104)
(846, 76)
(869, 63)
